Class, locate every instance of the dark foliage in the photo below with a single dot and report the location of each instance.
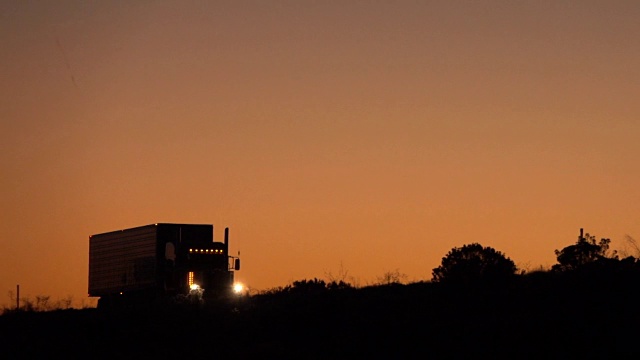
(584, 251)
(313, 286)
(305, 286)
(592, 259)
(474, 263)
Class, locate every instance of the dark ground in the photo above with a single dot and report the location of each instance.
(536, 317)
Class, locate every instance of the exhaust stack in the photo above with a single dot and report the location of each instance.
(226, 240)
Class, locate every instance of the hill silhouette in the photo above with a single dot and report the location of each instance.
(544, 314)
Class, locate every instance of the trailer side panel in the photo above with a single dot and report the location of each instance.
(123, 261)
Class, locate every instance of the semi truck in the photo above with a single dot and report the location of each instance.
(160, 261)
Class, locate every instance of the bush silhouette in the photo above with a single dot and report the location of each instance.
(585, 252)
(474, 263)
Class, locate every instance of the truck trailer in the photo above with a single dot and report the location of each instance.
(160, 261)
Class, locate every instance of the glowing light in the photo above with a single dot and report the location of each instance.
(194, 286)
(190, 278)
(238, 288)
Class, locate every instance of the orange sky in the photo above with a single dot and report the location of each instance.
(373, 134)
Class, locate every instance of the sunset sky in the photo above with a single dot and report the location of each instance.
(372, 135)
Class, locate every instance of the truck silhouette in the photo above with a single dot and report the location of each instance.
(159, 261)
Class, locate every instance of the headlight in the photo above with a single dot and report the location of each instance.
(238, 288)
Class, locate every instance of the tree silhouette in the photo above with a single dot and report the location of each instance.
(474, 263)
(584, 252)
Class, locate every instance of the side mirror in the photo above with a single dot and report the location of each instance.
(236, 264)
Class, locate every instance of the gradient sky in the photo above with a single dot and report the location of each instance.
(376, 135)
